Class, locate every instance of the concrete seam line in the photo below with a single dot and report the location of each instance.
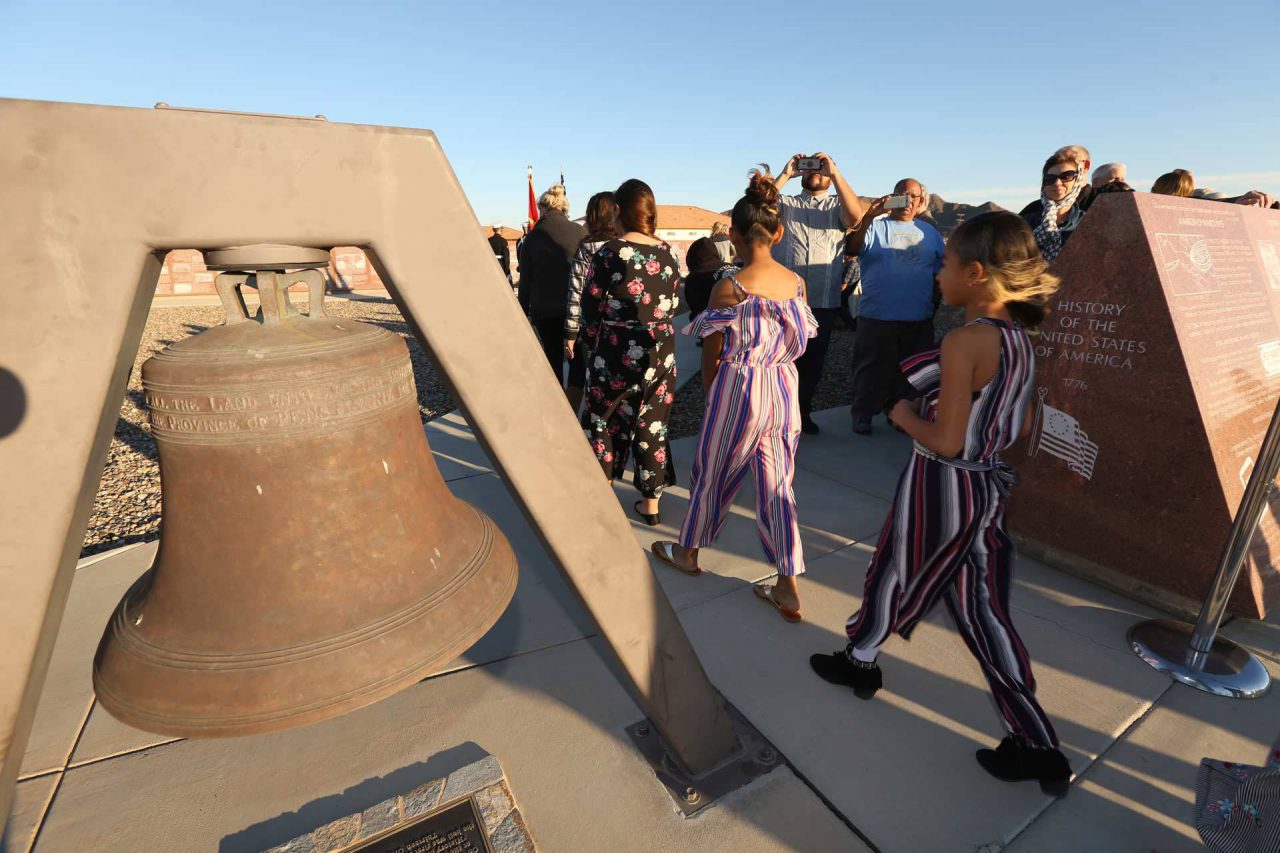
(44, 811)
(62, 774)
(88, 762)
(804, 780)
(102, 555)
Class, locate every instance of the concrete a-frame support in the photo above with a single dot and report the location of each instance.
(93, 197)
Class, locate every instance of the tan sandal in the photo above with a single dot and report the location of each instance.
(664, 550)
(764, 592)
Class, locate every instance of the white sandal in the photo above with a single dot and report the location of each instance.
(665, 551)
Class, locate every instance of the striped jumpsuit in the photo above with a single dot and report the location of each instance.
(945, 537)
(752, 422)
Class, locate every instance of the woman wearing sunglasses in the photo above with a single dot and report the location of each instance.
(1055, 216)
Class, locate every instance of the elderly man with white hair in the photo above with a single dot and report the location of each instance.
(1110, 173)
(545, 257)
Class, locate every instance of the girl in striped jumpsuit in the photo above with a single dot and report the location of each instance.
(756, 326)
(945, 536)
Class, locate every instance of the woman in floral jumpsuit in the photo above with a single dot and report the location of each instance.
(630, 298)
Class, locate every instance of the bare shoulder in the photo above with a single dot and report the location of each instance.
(772, 281)
(971, 340)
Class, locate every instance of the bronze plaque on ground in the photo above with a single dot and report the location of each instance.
(1157, 373)
(455, 828)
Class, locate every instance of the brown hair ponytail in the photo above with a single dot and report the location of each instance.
(637, 210)
(1016, 272)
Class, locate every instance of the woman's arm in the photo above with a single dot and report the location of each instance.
(573, 309)
(1027, 417)
(712, 349)
(945, 435)
(723, 295)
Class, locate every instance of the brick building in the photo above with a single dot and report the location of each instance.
(680, 224)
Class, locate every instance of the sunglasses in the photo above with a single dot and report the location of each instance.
(1065, 177)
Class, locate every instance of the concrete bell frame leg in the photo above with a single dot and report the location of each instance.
(92, 198)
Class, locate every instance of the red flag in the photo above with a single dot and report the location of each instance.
(533, 200)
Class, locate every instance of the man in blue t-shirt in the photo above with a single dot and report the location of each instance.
(899, 257)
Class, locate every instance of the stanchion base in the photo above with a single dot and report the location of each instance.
(1227, 670)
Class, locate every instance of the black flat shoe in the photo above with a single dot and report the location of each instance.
(836, 668)
(1015, 761)
(862, 426)
(651, 519)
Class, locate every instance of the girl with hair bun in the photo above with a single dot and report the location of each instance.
(945, 537)
(756, 325)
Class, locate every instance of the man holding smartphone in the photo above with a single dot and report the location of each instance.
(813, 226)
(899, 257)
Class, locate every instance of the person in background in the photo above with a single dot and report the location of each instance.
(1079, 155)
(1055, 216)
(756, 326)
(850, 284)
(814, 223)
(1253, 198)
(720, 238)
(1176, 183)
(946, 537)
(1113, 187)
(545, 256)
(898, 256)
(602, 226)
(1179, 183)
(501, 251)
(706, 266)
(632, 294)
(1109, 173)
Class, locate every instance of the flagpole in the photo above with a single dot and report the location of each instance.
(1034, 444)
(533, 200)
(1197, 655)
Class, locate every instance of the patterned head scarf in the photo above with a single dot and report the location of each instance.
(1048, 237)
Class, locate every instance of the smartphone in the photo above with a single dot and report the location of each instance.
(808, 164)
(897, 202)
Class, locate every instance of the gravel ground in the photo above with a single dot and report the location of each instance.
(834, 391)
(127, 506)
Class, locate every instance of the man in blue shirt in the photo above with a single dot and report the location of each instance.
(899, 257)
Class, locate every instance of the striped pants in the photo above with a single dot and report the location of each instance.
(945, 537)
(752, 422)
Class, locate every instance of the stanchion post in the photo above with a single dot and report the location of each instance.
(1196, 655)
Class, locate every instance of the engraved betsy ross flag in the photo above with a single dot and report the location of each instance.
(1060, 435)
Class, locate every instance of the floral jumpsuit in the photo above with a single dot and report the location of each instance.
(631, 363)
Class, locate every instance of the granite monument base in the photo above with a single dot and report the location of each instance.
(1157, 372)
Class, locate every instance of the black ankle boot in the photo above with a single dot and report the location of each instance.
(1015, 760)
(836, 668)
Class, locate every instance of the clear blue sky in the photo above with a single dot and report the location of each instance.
(967, 97)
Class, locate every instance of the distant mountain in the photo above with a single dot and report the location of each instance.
(948, 215)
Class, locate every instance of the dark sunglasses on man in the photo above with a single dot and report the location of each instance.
(1065, 177)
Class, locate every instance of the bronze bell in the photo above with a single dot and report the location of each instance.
(312, 559)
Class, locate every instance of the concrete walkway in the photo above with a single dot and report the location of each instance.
(894, 774)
